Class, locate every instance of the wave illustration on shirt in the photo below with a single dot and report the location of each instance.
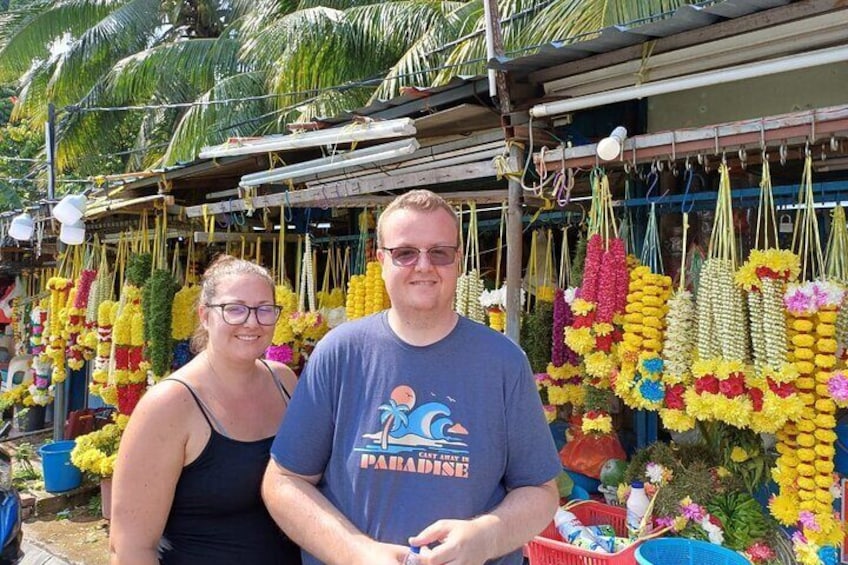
(407, 427)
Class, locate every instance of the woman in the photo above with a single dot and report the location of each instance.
(187, 477)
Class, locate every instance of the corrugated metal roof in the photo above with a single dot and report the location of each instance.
(685, 18)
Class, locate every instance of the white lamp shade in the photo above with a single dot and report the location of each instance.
(21, 227)
(610, 147)
(70, 209)
(72, 234)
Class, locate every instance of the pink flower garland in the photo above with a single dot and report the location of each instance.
(613, 273)
(592, 269)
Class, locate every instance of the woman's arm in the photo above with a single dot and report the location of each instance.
(149, 463)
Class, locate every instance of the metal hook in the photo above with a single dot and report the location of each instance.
(807, 152)
(743, 157)
(834, 144)
(783, 152)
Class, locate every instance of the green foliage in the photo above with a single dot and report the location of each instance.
(576, 275)
(157, 299)
(95, 506)
(536, 335)
(25, 470)
(22, 140)
(138, 268)
(742, 518)
(598, 399)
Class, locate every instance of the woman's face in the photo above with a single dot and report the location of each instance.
(245, 341)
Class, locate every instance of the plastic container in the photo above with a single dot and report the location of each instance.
(588, 483)
(637, 506)
(548, 548)
(682, 551)
(60, 475)
(579, 493)
(840, 460)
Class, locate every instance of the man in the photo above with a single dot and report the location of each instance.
(414, 427)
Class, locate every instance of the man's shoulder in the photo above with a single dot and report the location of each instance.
(353, 331)
(491, 340)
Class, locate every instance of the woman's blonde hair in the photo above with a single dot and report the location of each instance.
(222, 267)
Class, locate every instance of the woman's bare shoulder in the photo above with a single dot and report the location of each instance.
(284, 374)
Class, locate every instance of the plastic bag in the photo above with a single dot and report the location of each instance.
(586, 454)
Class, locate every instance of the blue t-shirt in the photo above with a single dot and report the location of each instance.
(405, 435)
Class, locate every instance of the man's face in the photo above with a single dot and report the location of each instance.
(421, 288)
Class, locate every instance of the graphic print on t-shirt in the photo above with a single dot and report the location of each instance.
(417, 438)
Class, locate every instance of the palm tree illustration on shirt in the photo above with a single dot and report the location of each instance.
(394, 414)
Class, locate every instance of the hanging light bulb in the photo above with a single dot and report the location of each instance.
(72, 234)
(21, 227)
(610, 147)
(70, 209)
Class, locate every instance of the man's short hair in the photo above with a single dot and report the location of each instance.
(420, 200)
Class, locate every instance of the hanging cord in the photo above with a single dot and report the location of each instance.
(685, 250)
(564, 279)
(836, 262)
(532, 267)
(723, 238)
(806, 241)
(499, 251)
(651, 256)
(766, 215)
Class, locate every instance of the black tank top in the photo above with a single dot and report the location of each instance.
(217, 515)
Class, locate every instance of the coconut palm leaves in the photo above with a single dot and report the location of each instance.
(292, 59)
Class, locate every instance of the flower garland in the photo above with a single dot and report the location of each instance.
(639, 382)
(494, 302)
(76, 352)
(677, 361)
(130, 374)
(804, 468)
(719, 391)
(366, 294)
(40, 389)
(333, 299)
(158, 299)
(600, 299)
(564, 384)
(106, 313)
(771, 385)
(54, 349)
(38, 318)
(469, 288)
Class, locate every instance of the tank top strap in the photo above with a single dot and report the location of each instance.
(280, 386)
(207, 414)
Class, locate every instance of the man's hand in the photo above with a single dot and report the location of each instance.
(376, 553)
(461, 542)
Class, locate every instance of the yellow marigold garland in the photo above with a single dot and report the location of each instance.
(804, 468)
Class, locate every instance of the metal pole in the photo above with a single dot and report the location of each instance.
(60, 398)
(514, 235)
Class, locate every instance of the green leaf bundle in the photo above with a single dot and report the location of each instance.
(157, 299)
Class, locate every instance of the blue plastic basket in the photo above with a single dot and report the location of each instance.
(682, 551)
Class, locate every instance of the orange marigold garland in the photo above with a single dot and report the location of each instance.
(804, 469)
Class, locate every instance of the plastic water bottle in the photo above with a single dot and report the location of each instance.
(637, 506)
(575, 532)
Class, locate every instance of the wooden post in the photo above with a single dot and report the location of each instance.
(514, 233)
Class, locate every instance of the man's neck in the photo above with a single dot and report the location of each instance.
(422, 330)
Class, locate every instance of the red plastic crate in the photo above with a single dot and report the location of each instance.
(548, 548)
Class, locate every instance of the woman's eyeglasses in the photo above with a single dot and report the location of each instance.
(237, 314)
(440, 255)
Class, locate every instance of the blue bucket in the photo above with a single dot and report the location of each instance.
(59, 473)
(840, 460)
(682, 551)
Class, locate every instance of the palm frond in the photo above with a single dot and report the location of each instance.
(32, 37)
(32, 98)
(121, 33)
(578, 19)
(419, 64)
(184, 69)
(211, 124)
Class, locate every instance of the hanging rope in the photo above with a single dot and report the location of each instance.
(806, 241)
(766, 214)
(836, 257)
(651, 255)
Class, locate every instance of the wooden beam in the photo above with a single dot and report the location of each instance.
(325, 195)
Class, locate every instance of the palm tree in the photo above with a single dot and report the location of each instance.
(285, 60)
(393, 416)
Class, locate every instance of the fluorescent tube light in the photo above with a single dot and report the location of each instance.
(368, 156)
(730, 74)
(347, 134)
